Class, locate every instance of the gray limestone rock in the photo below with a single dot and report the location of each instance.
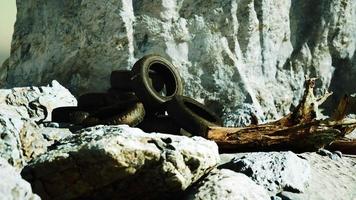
(22, 109)
(12, 186)
(275, 171)
(38, 101)
(10, 128)
(227, 185)
(330, 179)
(119, 162)
(230, 53)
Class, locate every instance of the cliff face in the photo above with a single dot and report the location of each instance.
(231, 54)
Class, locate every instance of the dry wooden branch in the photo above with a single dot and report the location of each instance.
(299, 131)
(345, 146)
(341, 109)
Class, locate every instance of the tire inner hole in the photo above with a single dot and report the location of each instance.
(200, 111)
(162, 79)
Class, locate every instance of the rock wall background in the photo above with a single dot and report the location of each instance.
(231, 54)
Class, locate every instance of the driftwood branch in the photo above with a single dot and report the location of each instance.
(298, 131)
(345, 146)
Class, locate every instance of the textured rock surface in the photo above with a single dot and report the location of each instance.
(276, 171)
(38, 101)
(230, 53)
(330, 179)
(120, 162)
(227, 185)
(12, 186)
(21, 137)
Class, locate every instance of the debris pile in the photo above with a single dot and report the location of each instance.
(150, 96)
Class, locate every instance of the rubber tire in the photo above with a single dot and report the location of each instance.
(142, 84)
(129, 112)
(97, 100)
(191, 115)
(159, 124)
(69, 114)
(121, 79)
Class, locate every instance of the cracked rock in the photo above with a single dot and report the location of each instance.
(120, 162)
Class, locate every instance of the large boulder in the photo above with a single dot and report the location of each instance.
(230, 53)
(275, 171)
(12, 186)
(228, 185)
(23, 137)
(119, 162)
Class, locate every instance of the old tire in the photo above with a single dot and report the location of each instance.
(142, 81)
(97, 100)
(121, 79)
(70, 114)
(159, 124)
(129, 112)
(191, 115)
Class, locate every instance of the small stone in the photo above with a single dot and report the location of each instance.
(324, 152)
(332, 155)
(228, 185)
(338, 153)
(51, 124)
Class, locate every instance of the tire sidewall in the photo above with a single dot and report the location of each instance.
(141, 81)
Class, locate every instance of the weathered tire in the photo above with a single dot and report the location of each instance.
(129, 112)
(121, 79)
(97, 100)
(151, 96)
(159, 124)
(191, 115)
(70, 114)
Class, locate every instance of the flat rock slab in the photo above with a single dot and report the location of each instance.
(275, 171)
(119, 162)
(12, 186)
(228, 185)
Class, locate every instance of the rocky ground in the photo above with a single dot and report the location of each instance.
(120, 162)
(242, 58)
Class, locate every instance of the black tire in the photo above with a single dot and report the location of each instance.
(97, 100)
(70, 114)
(121, 79)
(129, 112)
(191, 115)
(159, 124)
(152, 67)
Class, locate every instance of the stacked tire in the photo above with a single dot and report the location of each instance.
(150, 96)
